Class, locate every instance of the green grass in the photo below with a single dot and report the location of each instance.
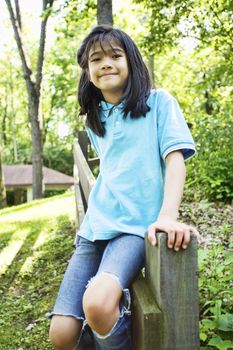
(36, 242)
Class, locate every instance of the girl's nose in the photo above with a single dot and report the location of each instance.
(106, 63)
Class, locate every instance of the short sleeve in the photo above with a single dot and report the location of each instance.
(92, 138)
(173, 132)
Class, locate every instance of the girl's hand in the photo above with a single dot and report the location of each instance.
(178, 233)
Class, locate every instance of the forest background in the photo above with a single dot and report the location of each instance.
(188, 49)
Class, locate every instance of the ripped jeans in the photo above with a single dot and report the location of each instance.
(123, 257)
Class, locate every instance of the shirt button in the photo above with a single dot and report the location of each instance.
(115, 109)
(117, 123)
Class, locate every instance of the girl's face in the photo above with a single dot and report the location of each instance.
(108, 69)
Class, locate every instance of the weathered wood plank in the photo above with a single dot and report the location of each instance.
(83, 142)
(78, 200)
(147, 318)
(173, 279)
(84, 173)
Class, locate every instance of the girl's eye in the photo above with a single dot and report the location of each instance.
(95, 59)
(116, 55)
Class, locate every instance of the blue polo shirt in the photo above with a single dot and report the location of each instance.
(128, 193)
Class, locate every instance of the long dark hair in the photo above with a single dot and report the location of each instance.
(138, 84)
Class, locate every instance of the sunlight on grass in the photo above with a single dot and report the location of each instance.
(44, 236)
(41, 210)
(40, 218)
(27, 267)
(8, 254)
(9, 228)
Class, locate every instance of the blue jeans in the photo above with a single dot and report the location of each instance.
(123, 257)
(119, 338)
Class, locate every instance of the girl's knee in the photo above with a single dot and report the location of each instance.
(101, 298)
(64, 332)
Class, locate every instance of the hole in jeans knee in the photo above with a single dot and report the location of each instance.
(113, 276)
(109, 274)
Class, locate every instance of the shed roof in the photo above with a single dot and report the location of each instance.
(21, 175)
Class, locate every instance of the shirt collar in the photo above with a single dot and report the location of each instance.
(107, 107)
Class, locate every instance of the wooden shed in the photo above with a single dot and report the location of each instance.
(18, 179)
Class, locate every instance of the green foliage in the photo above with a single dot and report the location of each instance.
(216, 297)
(215, 257)
(205, 96)
(211, 170)
(14, 133)
(163, 23)
(192, 44)
(59, 156)
(209, 22)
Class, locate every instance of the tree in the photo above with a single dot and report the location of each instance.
(104, 12)
(2, 186)
(33, 87)
(15, 131)
(202, 81)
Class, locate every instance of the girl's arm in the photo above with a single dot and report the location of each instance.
(178, 233)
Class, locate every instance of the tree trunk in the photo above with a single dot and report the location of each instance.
(2, 186)
(4, 118)
(208, 105)
(33, 89)
(151, 68)
(36, 132)
(13, 114)
(104, 12)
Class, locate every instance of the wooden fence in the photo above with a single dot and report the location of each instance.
(165, 310)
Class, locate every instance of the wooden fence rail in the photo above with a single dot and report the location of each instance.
(165, 306)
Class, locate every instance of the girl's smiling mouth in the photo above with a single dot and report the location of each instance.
(107, 75)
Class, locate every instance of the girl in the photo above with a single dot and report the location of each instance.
(142, 141)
